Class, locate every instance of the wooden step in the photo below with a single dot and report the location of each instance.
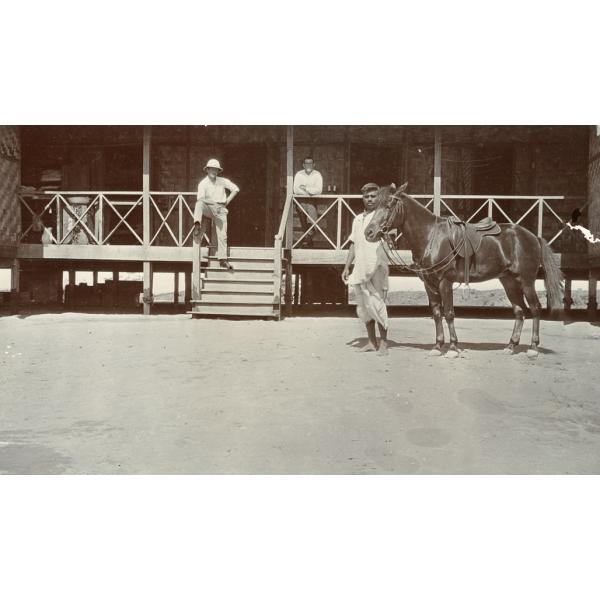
(245, 263)
(238, 285)
(233, 298)
(239, 274)
(239, 310)
(245, 252)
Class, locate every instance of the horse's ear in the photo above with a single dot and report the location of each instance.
(403, 187)
(393, 187)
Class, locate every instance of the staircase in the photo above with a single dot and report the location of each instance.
(252, 289)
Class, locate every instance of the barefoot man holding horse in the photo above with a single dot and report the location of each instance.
(370, 275)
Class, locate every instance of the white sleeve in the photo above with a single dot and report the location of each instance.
(201, 191)
(229, 185)
(297, 183)
(352, 237)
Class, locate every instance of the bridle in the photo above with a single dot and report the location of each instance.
(392, 214)
(393, 254)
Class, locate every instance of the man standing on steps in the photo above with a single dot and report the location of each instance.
(212, 202)
(369, 278)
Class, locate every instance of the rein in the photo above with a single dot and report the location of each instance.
(397, 260)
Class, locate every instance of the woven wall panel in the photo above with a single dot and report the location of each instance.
(10, 168)
(594, 189)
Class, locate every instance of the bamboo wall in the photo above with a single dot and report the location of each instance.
(10, 171)
(594, 193)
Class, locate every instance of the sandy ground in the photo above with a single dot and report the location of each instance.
(108, 394)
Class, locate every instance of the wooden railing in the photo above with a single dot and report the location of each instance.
(117, 217)
(545, 216)
(110, 217)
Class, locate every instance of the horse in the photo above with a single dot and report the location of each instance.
(511, 254)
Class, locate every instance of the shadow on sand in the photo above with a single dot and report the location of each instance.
(361, 342)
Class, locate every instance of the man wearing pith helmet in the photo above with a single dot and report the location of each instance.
(212, 201)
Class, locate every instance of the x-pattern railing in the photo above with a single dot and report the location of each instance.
(171, 215)
(177, 207)
(491, 205)
(537, 205)
(334, 203)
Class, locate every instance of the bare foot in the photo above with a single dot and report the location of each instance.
(383, 349)
(368, 348)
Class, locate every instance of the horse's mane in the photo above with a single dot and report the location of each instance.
(397, 193)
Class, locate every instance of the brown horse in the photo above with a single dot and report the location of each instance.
(514, 256)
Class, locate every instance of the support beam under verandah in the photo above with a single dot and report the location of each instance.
(187, 288)
(15, 278)
(176, 287)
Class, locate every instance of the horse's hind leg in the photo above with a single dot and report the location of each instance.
(448, 303)
(435, 302)
(535, 307)
(514, 291)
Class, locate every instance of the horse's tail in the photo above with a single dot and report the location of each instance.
(553, 276)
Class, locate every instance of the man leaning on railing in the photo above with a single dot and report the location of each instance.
(308, 182)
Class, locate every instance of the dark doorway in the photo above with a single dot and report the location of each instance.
(373, 163)
(245, 165)
(123, 169)
(123, 172)
(492, 169)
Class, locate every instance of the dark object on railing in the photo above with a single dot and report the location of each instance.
(75, 233)
(575, 216)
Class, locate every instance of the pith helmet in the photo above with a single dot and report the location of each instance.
(214, 163)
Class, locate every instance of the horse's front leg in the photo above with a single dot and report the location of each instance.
(448, 302)
(435, 302)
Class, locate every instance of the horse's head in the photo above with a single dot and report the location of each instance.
(387, 213)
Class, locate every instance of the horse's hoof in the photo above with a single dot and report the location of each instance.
(451, 354)
(531, 353)
(435, 352)
(508, 351)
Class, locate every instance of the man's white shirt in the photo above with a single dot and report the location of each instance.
(214, 193)
(368, 256)
(313, 182)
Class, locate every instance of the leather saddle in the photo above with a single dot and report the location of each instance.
(466, 238)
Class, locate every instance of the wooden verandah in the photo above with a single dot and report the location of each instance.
(159, 230)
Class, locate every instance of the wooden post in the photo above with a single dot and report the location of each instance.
(437, 171)
(176, 287)
(59, 286)
(72, 276)
(568, 298)
(540, 219)
(289, 227)
(15, 278)
(94, 277)
(593, 195)
(196, 281)
(147, 285)
(187, 293)
(99, 220)
(296, 287)
(592, 294)
(115, 277)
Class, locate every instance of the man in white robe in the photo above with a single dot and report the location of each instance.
(369, 279)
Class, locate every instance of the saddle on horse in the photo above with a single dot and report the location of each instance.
(465, 238)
